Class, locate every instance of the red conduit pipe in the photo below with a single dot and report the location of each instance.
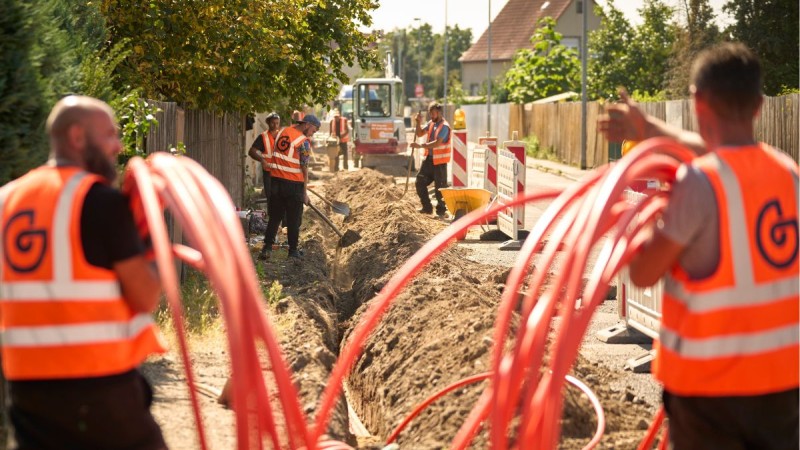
(652, 431)
(189, 191)
(509, 300)
(592, 205)
(595, 402)
(144, 188)
(421, 407)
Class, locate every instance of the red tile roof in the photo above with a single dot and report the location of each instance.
(513, 27)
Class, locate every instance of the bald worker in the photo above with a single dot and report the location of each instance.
(76, 294)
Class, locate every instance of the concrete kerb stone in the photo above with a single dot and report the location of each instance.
(535, 164)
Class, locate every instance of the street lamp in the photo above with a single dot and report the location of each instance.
(419, 63)
(489, 76)
(445, 58)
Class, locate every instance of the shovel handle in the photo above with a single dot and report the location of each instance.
(327, 202)
(325, 218)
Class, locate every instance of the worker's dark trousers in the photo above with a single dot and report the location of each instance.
(265, 178)
(763, 422)
(111, 412)
(343, 154)
(285, 198)
(428, 174)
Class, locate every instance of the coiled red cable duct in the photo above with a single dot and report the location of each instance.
(587, 211)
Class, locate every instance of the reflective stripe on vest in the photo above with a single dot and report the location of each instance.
(44, 336)
(61, 317)
(736, 332)
(441, 153)
(269, 142)
(285, 161)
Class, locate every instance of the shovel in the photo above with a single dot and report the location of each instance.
(408, 171)
(347, 238)
(337, 207)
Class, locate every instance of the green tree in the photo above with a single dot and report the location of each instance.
(609, 54)
(35, 69)
(651, 48)
(770, 28)
(697, 33)
(238, 55)
(459, 40)
(421, 48)
(547, 69)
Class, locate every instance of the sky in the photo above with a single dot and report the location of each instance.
(473, 14)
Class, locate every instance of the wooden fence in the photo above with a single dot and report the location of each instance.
(558, 125)
(215, 141)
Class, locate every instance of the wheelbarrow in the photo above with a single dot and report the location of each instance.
(460, 201)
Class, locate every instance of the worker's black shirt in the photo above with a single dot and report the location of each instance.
(108, 233)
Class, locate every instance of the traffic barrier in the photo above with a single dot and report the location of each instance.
(459, 159)
(490, 142)
(509, 219)
(518, 148)
(640, 308)
(477, 172)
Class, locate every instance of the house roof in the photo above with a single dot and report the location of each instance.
(513, 27)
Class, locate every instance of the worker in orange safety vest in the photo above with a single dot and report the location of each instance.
(340, 128)
(76, 293)
(289, 180)
(727, 245)
(436, 155)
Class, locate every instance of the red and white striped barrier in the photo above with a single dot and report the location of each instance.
(640, 308)
(459, 159)
(490, 142)
(518, 149)
(509, 220)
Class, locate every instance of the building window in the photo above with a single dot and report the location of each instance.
(572, 42)
(473, 89)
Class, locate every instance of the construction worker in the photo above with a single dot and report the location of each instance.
(289, 174)
(728, 247)
(76, 293)
(297, 116)
(262, 147)
(340, 128)
(436, 156)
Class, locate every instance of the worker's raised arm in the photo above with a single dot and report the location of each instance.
(418, 120)
(625, 120)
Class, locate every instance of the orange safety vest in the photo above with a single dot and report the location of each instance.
(441, 153)
(60, 316)
(736, 332)
(342, 122)
(284, 160)
(269, 144)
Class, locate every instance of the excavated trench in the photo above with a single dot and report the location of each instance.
(437, 332)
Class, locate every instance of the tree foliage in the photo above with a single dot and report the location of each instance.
(547, 69)
(238, 55)
(695, 34)
(610, 57)
(638, 58)
(34, 71)
(419, 56)
(651, 48)
(770, 28)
